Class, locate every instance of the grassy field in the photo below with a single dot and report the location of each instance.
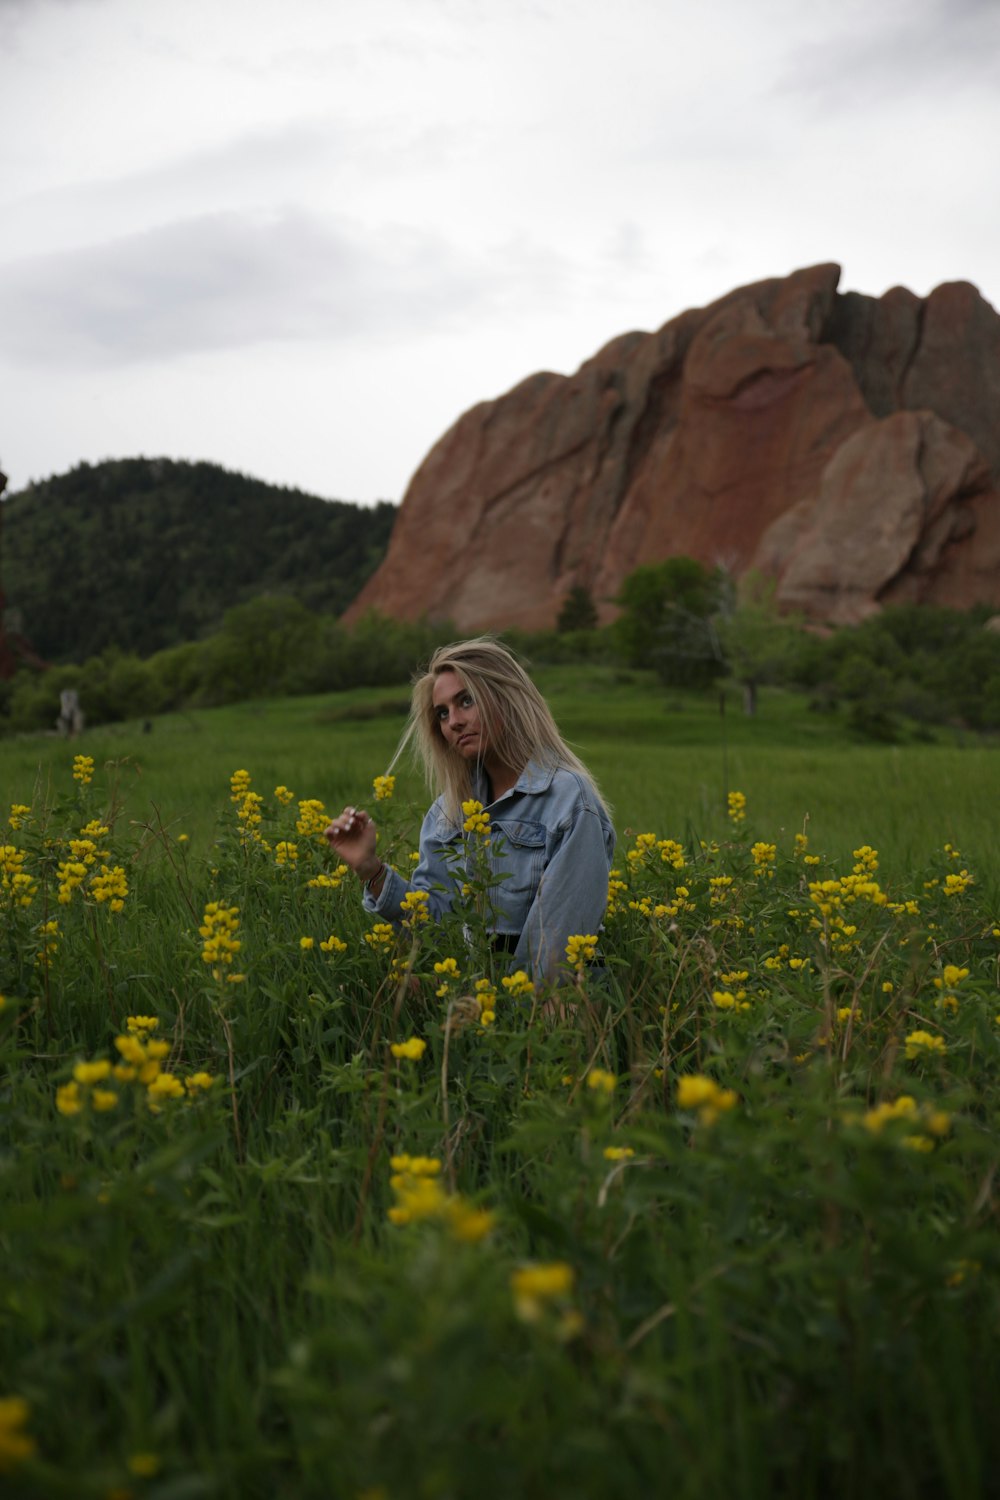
(665, 761)
(295, 1207)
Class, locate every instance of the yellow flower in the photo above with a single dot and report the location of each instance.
(737, 806)
(923, 1044)
(18, 812)
(601, 1081)
(198, 1081)
(618, 1153)
(218, 926)
(139, 1025)
(581, 949)
(16, 1446)
(534, 1287)
(333, 944)
(92, 1072)
(104, 1099)
(312, 818)
(305, 943)
(83, 769)
(164, 1086)
(286, 853)
(414, 905)
(723, 999)
(476, 819)
(380, 936)
(518, 985)
(283, 795)
(695, 1091)
(414, 1048)
(383, 787)
(951, 975)
(68, 1100)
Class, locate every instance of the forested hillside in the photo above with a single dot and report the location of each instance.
(146, 553)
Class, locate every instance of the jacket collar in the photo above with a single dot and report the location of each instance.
(534, 778)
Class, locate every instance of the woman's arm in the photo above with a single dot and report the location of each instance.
(352, 836)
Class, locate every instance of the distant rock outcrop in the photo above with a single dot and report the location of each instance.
(848, 445)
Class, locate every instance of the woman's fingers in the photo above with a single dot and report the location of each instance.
(352, 820)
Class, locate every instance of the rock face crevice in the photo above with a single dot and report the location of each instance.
(845, 444)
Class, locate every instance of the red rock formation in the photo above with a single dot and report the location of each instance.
(848, 445)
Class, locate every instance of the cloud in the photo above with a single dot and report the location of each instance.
(235, 279)
(920, 48)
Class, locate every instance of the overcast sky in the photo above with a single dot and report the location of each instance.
(300, 237)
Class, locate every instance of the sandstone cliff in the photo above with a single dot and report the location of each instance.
(846, 444)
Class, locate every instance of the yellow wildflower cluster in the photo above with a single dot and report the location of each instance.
(414, 908)
(218, 928)
(283, 795)
(486, 998)
(933, 1123)
(328, 881)
(420, 1196)
(536, 1289)
(518, 985)
(312, 819)
(763, 856)
(110, 885)
(16, 883)
(581, 948)
(141, 1063)
(381, 935)
(601, 1081)
(640, 851)
(48, 946)
(333, 944)
(248, 806)
(616, 885)
(286, 853)
(618, 1153)
(413, 1048)
(726, 1000)
(16, 1445)
(924, 1044)
(476, 819)
(696, 1092)
(448, 972)
(70, 874)
(83, 769)
(18, 812)
(736, 803)
(954, 885)
(383, 787)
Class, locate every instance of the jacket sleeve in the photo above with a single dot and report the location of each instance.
(572, 895)
(433, 874)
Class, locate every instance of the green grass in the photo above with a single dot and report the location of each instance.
(783, 1280)
(664, 760)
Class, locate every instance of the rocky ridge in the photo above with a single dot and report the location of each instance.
(845, 444)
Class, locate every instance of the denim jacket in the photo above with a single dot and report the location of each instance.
(552, 840)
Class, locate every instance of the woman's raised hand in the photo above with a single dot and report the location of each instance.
(352, 837)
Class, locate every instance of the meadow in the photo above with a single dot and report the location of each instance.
(291, 1205)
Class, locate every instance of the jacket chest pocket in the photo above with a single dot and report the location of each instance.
(517, 856)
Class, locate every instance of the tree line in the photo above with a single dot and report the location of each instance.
(143, 554)
(908, 667)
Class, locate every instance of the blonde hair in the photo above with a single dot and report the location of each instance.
(517, 723)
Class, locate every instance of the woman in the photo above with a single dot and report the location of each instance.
(485, 733)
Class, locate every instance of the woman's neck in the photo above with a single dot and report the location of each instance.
(499, 778)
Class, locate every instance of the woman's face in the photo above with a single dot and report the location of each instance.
(457, 716)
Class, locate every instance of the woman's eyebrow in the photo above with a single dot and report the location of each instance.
(462, 693)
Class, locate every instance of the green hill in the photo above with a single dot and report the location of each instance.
(146, 553)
